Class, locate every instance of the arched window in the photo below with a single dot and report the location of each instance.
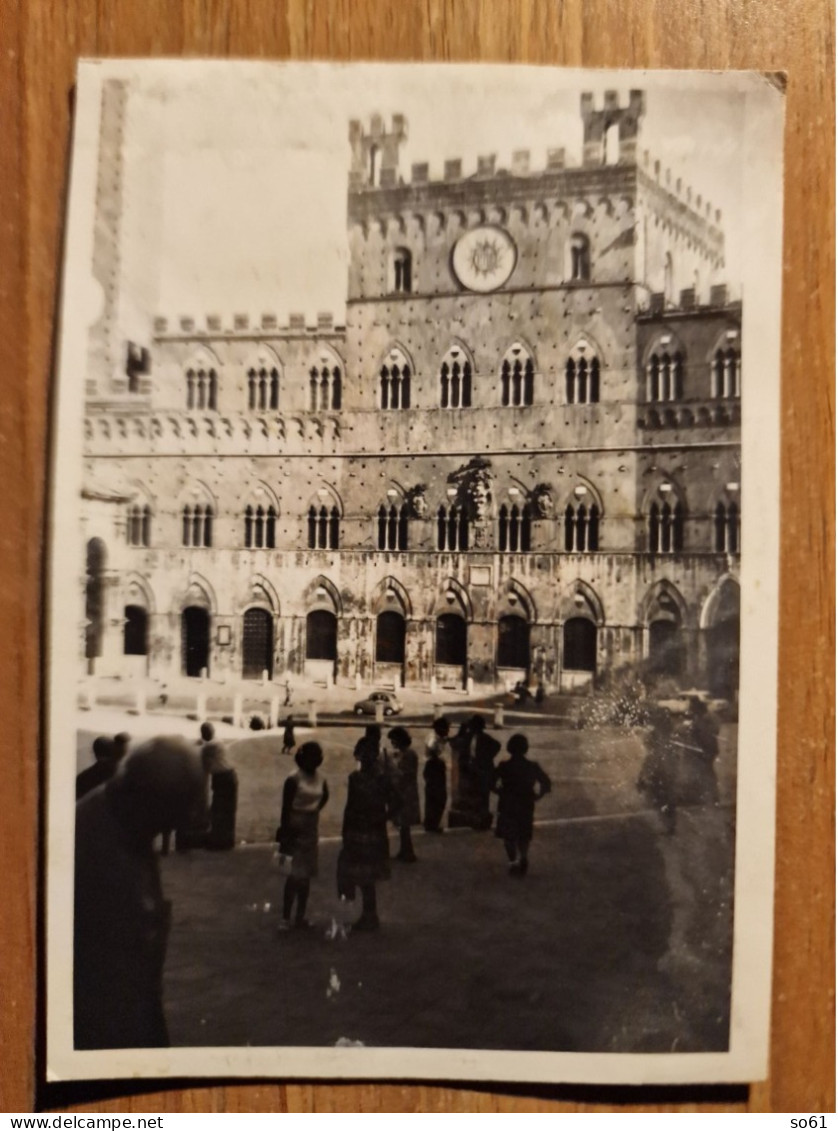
(455, 380)
(611, 144)
(666, 528)
(452, 529)
(260, 527)
(323, 528)
(515, 529)
(665, 375)
(262, 389)
(201, 389)
(401, 279)
(725, 373)
(517, 376)
(582, 376)
(580, 258)
(726, 523)
(395, 380)
(194, 640)
(581, 527)
(579, 644)
(197, 525)
(392, 527)
(321, 635)
(138, 526)
(325, 387)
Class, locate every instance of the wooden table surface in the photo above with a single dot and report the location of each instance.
(40, 41)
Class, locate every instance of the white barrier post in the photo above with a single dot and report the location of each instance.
(274, 717)
(201, 706)
(237, 710)
(499, 715)
(312, 713)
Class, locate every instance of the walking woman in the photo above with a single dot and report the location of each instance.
(364, 860)
(406, 774)
(303, 796)
(519, 784)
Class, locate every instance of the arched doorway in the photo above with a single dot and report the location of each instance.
(94, 601)
(321, 645)
(667, 652)
(451, 650)
(194, 640)
(721, 640)
(135, 631)
(579, 645)
(257, 644)
(390, 632)
(513, 644)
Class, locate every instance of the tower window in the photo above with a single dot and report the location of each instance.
(394, 381)
(402, 271)
(580, 258)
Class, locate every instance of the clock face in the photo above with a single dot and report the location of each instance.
(484, 258)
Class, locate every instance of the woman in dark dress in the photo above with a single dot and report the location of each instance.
(519, 784)
(364, 860)
(486, 749)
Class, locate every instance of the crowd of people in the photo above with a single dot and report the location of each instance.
(130, 797)
(384, 790)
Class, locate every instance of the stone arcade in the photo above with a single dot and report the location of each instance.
(519, 458)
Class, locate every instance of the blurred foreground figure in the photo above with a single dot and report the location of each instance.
(121, 919)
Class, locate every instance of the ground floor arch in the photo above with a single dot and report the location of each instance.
(194, 640)
(667, 648)
(135, 631)
(257, 643)
(513, 650)
(579, 645)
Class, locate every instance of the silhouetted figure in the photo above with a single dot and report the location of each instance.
(121, 919)
(484, 752)
(220, 826)
(303, 796)
(288, 739)
(364, 860)
(435, 776)
(519, 783)
(406, 763)
(107, 752)
(700, 736)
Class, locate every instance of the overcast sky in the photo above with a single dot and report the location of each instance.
(235, 174)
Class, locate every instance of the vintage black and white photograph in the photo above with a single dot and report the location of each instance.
(413, 574)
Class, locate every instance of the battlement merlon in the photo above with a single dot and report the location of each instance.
(375, 152)
(187, 328)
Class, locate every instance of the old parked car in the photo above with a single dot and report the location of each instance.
(391, 705)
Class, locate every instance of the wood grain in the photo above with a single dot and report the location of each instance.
(41, 41)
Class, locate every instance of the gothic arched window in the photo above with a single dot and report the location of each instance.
(402, 271)
(455, 380)
(517, 376)
(452, 529)
(514, 529)
(263, 389)
(395, 379)
(581, 528)
(580, 257)
(325, 387)
(201, 389)
(666, 527)
(726, 522)
(197, 523)
(138, 526)
(392, 527)
(725, 373)
(582, 376)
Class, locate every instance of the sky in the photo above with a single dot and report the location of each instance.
(235, 174)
